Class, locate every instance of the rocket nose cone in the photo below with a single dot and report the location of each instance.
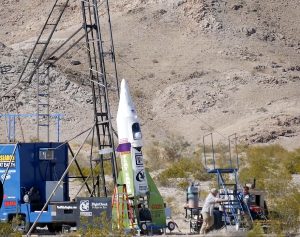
(123, 84)
(125, 102)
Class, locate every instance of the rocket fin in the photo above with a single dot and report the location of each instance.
(156, 203)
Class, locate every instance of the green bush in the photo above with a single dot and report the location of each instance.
(86, 170)
(257, 230)
(7, 230)
(183, 184)
(292, 162)
(272, 167)
(101, 227)
(184, 168)
(286, 211)
(173, 148)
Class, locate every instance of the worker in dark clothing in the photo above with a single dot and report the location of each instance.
(246, 199)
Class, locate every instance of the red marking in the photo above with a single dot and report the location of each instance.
(255, 208)
(10, 203)
(157, 206)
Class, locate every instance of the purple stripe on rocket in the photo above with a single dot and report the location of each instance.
(124, 147)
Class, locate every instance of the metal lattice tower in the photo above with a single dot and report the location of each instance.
(98, 59)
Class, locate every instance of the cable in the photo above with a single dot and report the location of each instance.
(133, 68)
(67, 141)
(210, 126)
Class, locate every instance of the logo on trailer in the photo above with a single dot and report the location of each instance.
(84, 205)
(99, 205)
(7, 160)
(7, 177)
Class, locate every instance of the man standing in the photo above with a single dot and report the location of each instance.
(208, 210)
(246, 197)
(246, 206)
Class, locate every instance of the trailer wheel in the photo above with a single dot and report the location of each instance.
(54, 228)
(144, 228)
(51, 228)
(171, 225)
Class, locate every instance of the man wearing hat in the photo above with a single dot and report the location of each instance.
(208, 210)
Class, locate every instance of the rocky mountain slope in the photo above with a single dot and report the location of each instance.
(194, 66)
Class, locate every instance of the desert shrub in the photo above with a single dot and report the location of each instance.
(100, 227)
(161, 154)
(256, 231)
(171, 202)
(286, 211)
(292, 162)
(269, 162)
(154, 161)
(183, 184)
(91, 141)
(203, 194)
(34, 139)
(270, 165)
(184, 168)
(86, 170)
(7, 230)
(174, 148)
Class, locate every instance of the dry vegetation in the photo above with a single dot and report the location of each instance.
(272, 166)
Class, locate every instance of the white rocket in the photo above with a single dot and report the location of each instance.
(130, 145)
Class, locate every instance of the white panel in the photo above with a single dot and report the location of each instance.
(59, 193)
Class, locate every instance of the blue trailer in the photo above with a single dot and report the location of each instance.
(29, 172)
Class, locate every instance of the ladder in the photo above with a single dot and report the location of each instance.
(35, 58)
(43, 116)
(101, 59)
(121, 205)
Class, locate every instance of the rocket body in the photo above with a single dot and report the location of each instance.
(130, 145)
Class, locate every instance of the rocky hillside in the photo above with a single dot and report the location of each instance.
(194, 66)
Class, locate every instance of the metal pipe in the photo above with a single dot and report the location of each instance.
(213, 150)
